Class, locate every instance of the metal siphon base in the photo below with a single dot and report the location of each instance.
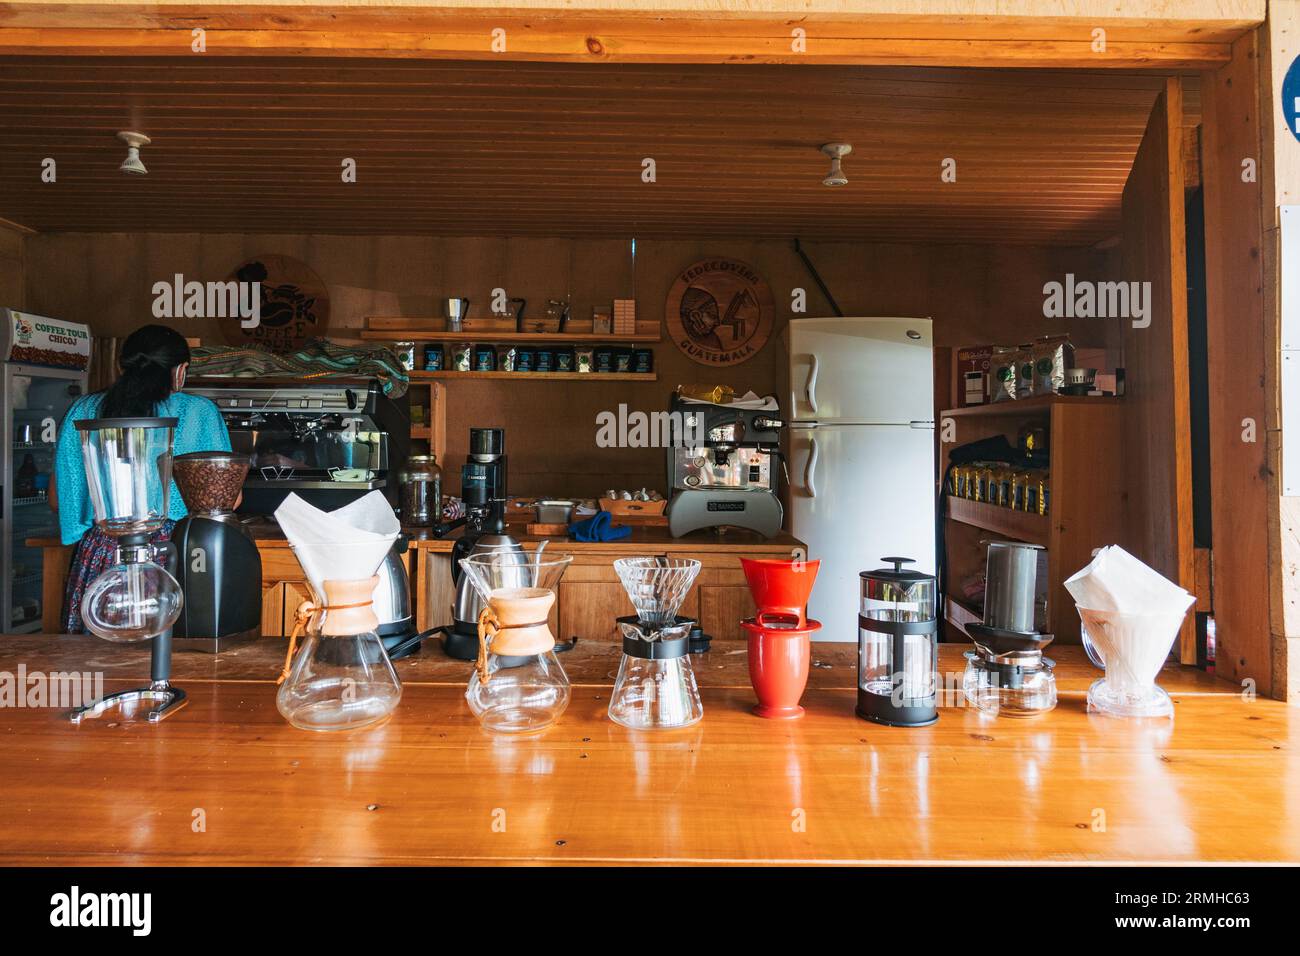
(160, 691)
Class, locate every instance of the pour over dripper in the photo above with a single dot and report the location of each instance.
(518, 685)
(655, 687)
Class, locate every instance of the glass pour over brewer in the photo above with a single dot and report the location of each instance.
(129, 473)
(898, 646)
(655, 688)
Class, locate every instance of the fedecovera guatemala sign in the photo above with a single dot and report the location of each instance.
(719, 311)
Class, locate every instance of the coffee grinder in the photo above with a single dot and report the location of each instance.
(220, 570)
(1007, 674)
(128, 465)
(483, 490)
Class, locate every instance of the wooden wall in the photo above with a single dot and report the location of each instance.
(12, 279)
(976, 294)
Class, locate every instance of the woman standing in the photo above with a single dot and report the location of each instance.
(153, 363)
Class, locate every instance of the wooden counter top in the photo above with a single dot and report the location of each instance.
(267, 534)
(1215, 784)
(656, 540)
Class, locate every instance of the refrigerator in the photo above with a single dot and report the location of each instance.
(44, 364)
(860, 453)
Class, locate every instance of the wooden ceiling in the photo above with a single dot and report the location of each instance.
(253, 145)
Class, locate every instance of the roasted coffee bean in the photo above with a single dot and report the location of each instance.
(210, 481)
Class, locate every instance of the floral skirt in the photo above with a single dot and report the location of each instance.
(93, 556)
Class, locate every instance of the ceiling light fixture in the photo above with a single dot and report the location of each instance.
(132, 162)
(836, 151)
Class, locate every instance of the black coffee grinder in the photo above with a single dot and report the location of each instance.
(483, 490)
(220, 571)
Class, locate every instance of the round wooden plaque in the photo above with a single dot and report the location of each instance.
(719, 311)
(294, 301)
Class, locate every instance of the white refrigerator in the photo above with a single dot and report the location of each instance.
(860, 453)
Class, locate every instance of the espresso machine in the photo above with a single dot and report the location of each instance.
(722, 468)
(329, 441)
(219, 569)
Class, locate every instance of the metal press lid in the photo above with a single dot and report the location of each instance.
(95, 424)
(897, 572)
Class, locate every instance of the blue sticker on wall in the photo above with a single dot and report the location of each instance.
(1291, 97)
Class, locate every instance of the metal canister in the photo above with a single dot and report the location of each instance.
(420, 491)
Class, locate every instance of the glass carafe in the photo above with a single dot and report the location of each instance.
(341, 679)
(657, 690)
(518, 685)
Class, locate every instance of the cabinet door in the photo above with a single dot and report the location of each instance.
(723, 607)
(295, 592)
(273, 610)
(588, 609)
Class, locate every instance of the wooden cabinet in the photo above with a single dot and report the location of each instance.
(1087, 503)
(590, 597)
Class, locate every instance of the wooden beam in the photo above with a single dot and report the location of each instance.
(887, 32)
(1236, 345)
(1158, 462)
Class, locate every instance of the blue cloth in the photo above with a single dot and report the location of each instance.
(599, 527)
(198, 428)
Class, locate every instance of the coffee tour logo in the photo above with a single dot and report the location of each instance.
(293, 306)
(719, 311)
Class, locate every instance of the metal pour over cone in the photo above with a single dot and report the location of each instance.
(657, 586)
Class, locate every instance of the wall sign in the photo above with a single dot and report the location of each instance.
(719, 311)
(295, 305)
(1291, 97)
(36, 340)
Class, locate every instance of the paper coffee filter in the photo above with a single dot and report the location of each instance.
(348, 544)
(1116, 581)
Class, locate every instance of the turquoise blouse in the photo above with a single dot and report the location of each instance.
(199, 428)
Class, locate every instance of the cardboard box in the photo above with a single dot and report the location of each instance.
(971, 367)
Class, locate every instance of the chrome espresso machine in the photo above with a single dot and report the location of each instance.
(723, 466)
(329, 441)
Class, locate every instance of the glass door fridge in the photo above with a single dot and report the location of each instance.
(44, 372)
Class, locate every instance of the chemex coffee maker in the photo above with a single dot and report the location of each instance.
(483, 490)
(1007, 674)
(219, 568)
(721, 468)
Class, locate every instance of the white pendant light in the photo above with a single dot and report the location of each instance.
(132, 163)
(836, 151)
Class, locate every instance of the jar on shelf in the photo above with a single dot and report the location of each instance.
(420, 491)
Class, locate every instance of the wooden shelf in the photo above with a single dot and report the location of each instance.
(1020, 525)
(489, 337)
(422, 376)
(959, 615)
(1039, 405)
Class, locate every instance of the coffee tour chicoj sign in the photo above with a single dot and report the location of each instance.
(719, 311)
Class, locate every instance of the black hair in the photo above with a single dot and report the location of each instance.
(148, 356)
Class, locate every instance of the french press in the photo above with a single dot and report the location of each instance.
(898, 635)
